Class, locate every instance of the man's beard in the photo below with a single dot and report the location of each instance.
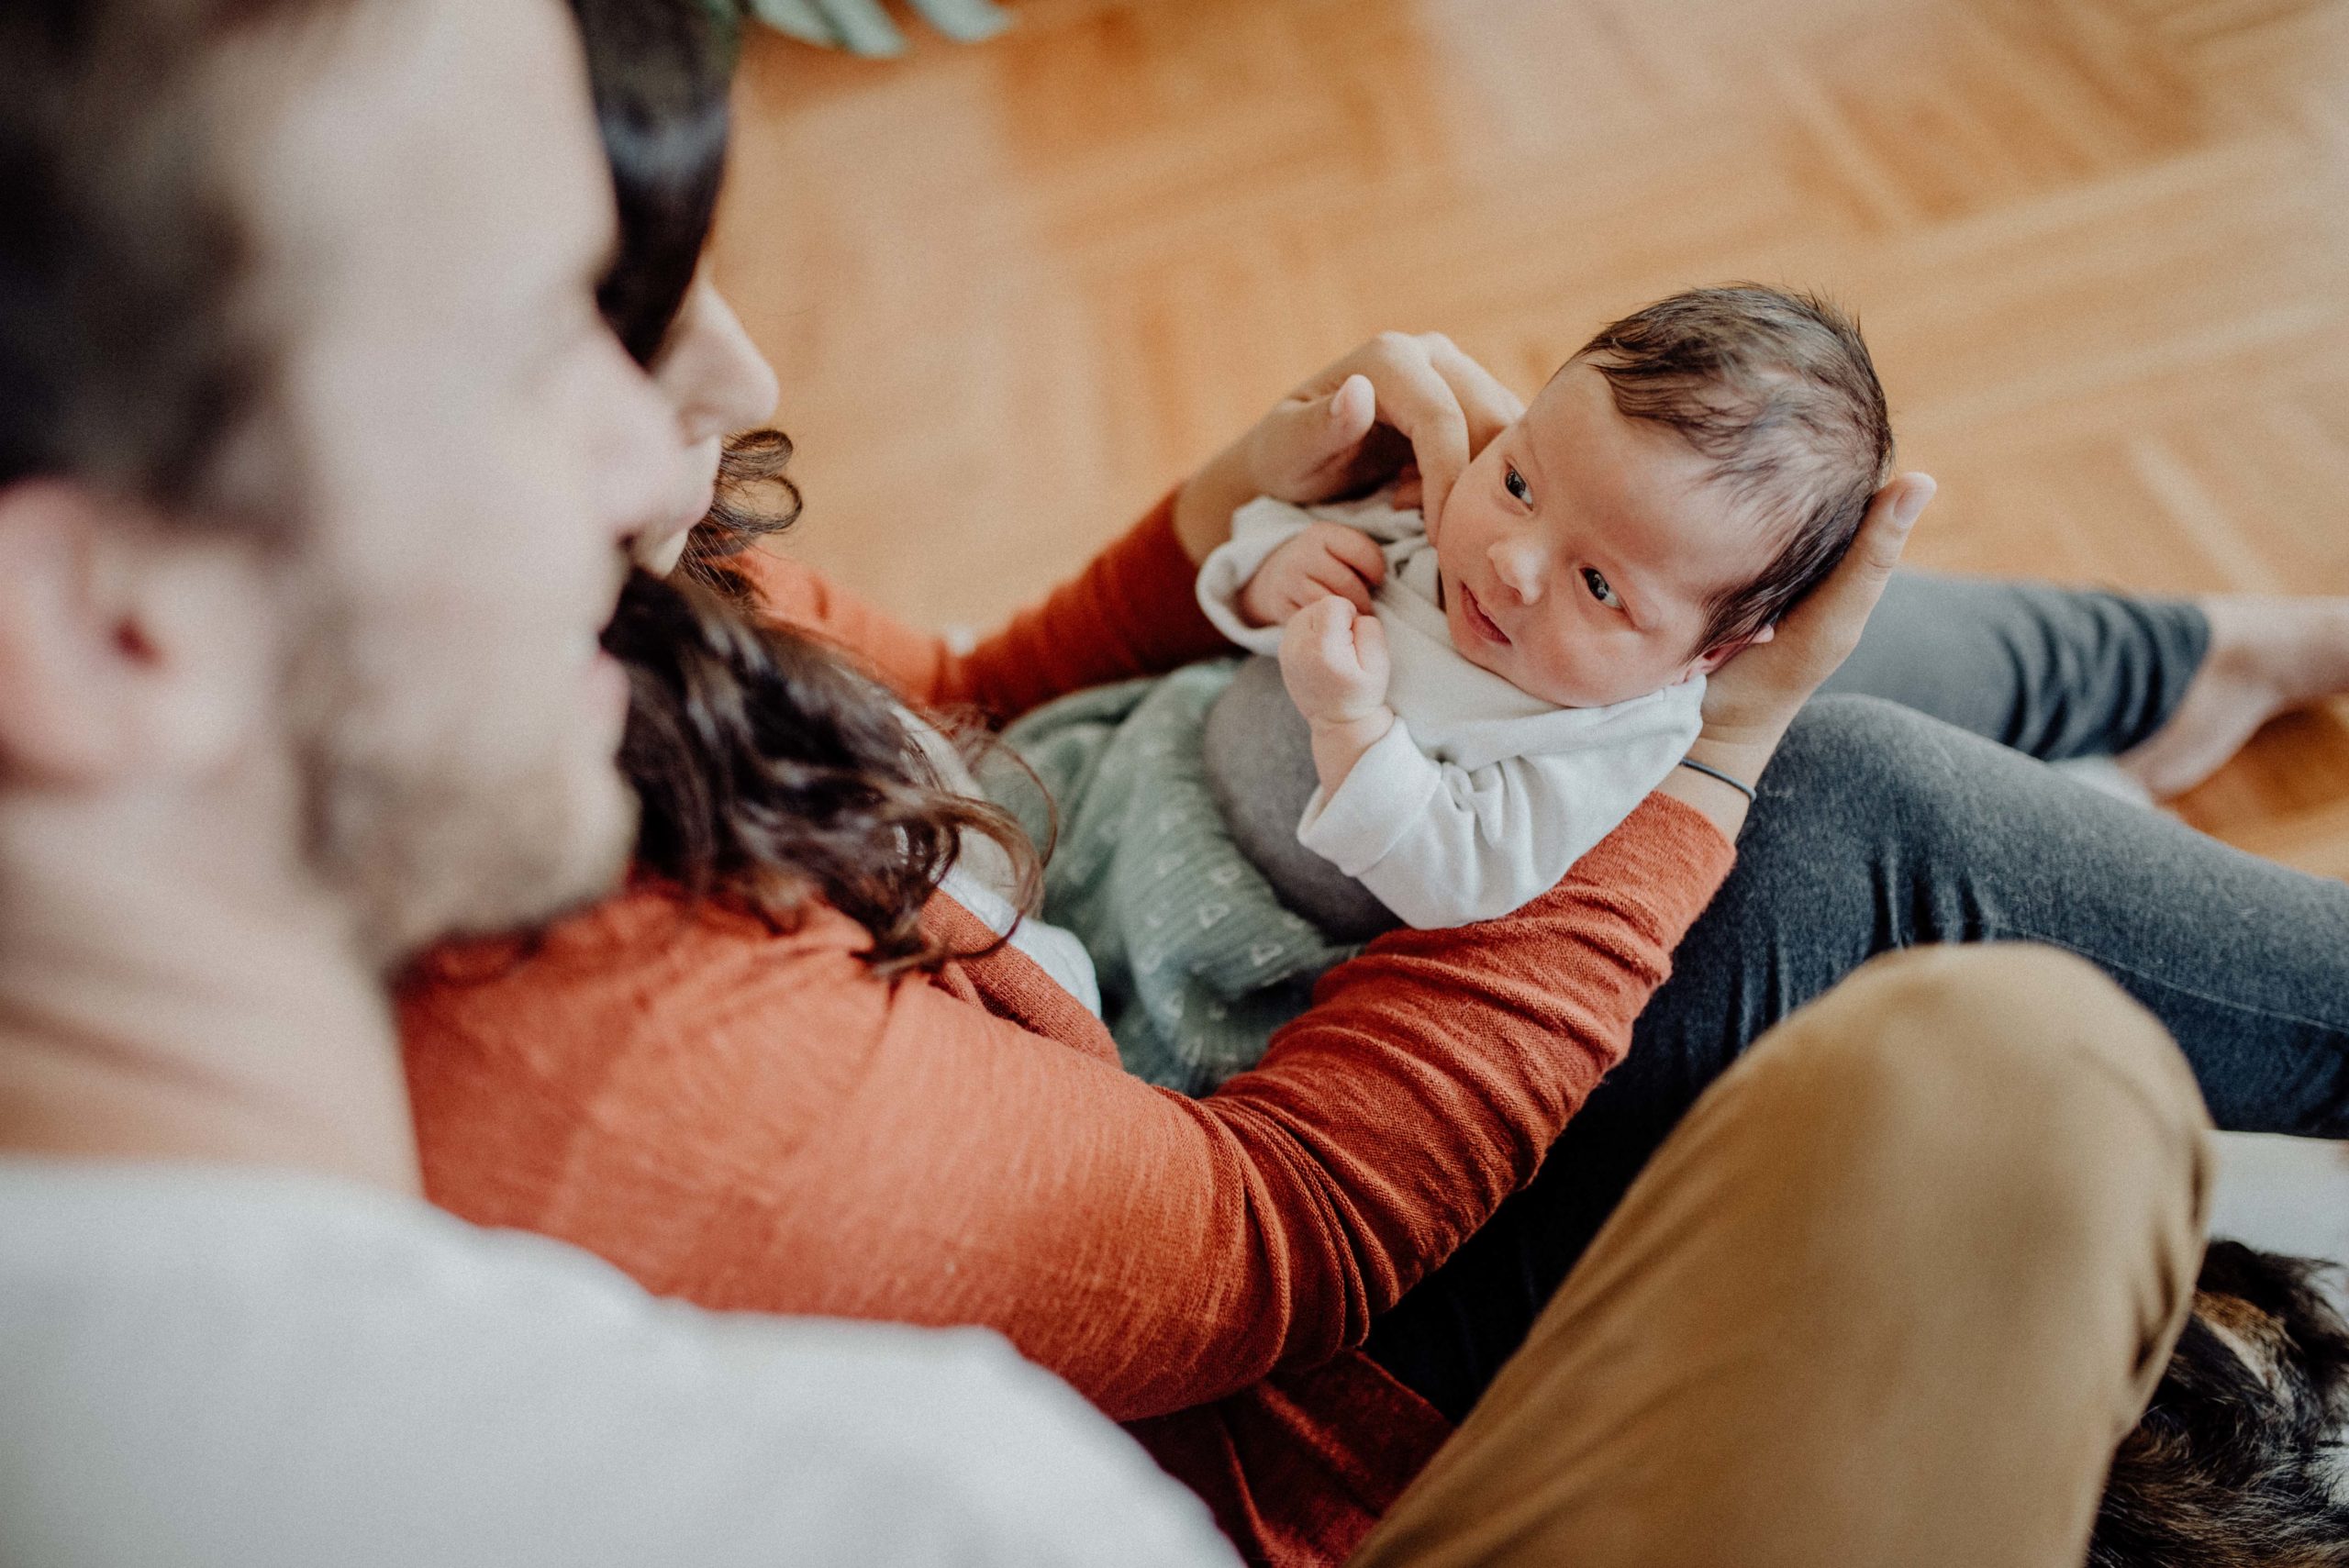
(424, 835)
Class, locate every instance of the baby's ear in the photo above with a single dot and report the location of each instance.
(1713, 659)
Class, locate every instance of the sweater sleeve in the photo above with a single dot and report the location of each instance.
(755, 1122)
(1131, 611)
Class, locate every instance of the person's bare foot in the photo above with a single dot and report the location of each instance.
(2269, 654)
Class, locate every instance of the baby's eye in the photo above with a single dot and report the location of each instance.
(1514, 483)
(1596, 581)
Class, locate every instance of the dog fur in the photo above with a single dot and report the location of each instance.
(2240, 1461)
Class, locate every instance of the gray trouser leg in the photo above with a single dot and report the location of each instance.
(1880, 829)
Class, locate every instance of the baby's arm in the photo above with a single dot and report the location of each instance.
(1443, 845)
(1333, 661)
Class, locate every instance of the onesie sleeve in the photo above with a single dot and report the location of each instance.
(1443, 845)
(1258, 528)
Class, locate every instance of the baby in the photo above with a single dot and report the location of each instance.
(1522, 681)
(1455, 719)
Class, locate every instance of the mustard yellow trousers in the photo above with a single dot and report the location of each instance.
(1889, 1296)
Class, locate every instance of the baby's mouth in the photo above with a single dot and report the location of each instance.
(1478, 621)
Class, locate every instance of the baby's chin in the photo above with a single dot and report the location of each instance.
(1555, 690)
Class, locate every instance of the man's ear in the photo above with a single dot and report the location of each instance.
(127, 648)
(1713, 659)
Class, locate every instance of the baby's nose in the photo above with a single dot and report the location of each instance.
(1519, 566)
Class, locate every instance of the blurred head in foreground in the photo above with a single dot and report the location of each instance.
(315, 475)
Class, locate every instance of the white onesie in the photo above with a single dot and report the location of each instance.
(1481, 797)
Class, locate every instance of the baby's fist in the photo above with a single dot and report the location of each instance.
(1333, 661)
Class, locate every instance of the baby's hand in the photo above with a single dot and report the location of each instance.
(1333, 661)
(1327, 558)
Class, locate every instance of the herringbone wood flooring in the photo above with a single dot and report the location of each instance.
(2101, 247)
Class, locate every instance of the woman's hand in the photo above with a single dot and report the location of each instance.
(1750, 701)
(1398, 398)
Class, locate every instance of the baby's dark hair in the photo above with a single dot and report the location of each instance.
(1778, 390)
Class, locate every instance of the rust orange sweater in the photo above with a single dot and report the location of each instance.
(752, 1120)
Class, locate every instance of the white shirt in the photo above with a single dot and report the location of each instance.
(1481, 797)
(204, 1366)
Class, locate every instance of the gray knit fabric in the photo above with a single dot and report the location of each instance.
(1258, 751)
(1198, 958)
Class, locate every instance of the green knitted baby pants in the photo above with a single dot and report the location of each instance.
(1199, 959)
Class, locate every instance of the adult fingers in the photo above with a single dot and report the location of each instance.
(1825, 626)
(1417, 399)
(1401, 394)
(1309, 445)
(1488, 407)
(1750, 701)
(1351, 410)
(1448, 405)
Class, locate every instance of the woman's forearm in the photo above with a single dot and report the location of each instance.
(790, 1133)
(1203, 507)
(1722, 805)
(1432, 1071)
(1132, 610)
(1171, 1251)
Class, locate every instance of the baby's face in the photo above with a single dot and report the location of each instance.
(1580, 549)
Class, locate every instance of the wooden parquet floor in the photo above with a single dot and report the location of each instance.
(2101, 247)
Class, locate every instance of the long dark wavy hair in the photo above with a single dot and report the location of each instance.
(771, 771)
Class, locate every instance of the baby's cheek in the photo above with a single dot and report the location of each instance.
(1590, 669)
(1573, 670)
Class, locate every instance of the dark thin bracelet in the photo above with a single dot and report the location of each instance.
(1712, 773)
